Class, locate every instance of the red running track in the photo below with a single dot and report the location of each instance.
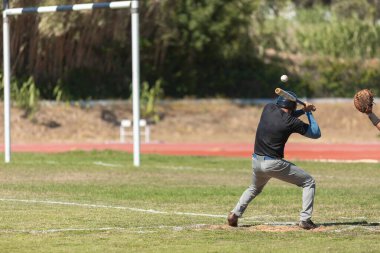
(295, 151)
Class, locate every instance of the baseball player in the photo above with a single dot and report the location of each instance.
(278, 121)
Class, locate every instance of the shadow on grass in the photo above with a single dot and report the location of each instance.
(350, 223)
(325, 224)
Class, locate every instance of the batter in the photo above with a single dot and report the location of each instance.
(278, 121)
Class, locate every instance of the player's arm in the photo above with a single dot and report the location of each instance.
(298, 113)
(313, 131)
(307, 108)
(374, 119)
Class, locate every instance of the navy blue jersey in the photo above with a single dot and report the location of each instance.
(274, 129)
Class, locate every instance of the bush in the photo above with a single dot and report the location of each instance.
(340, 78)
(149, 97)
(24, 94)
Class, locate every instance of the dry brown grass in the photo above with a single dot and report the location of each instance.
(201, 121)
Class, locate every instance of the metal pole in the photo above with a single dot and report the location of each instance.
(7, 84)
(136, 81)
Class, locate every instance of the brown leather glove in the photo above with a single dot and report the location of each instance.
(363, 101)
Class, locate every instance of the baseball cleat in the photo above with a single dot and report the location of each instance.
(308, 224)
(232, 219)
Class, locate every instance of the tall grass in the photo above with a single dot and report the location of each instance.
(341, 39)
(320, 31)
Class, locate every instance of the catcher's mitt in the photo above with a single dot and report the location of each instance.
(363, 101)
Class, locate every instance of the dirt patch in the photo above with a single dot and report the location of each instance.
(182, 121)
(266, 228)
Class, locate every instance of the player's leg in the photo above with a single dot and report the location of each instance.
(259, 180)
(290, 173)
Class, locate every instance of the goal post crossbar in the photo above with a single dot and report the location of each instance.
(62, 8)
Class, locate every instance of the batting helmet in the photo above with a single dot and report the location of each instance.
(286, 103)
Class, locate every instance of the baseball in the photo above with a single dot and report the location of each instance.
(284, 78)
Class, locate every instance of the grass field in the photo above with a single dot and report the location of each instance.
(98, 202)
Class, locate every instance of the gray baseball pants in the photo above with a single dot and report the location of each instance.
(263, 170)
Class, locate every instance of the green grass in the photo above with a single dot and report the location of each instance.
(346, 193)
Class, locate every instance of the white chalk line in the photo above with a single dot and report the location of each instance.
(191, 168)
(106, 164)
(176, 167)
(99, 163)
(256, 219)
(138, 230)
(56, 230)
(156, 229)
(110, 207)
(343, 161)
(151, 211)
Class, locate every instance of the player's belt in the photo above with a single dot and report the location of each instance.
(263, 157)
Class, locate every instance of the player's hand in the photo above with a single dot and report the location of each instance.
(309, 107)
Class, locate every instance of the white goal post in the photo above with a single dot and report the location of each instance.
(134, 7)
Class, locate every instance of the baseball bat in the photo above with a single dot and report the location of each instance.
(290, 97)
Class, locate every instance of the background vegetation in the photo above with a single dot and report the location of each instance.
(201, 48)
